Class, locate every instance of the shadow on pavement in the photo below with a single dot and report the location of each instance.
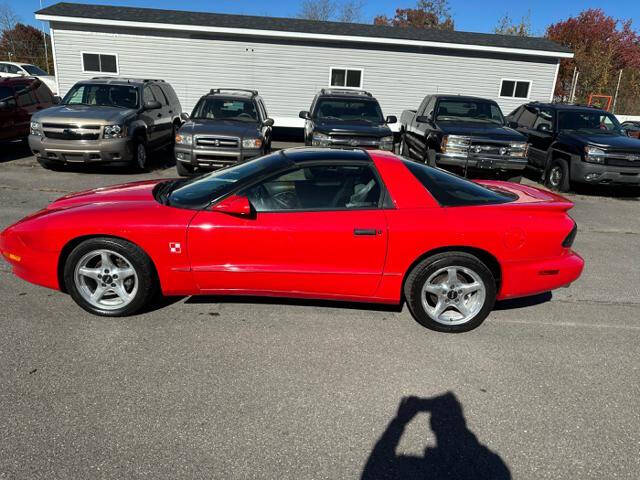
(11, 151)
(458, 455)
(523, 302)
(294, 301)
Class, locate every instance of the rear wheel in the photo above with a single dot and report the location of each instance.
(184, 170)
(558, 175)
(110, 277)
(450, 292)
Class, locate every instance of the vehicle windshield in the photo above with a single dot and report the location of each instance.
(199, 192)
(589, 121)
(219, 108)
(468, 111)
(349, 110)
(122, 96)
(33, 70)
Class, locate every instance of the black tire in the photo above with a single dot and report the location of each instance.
(183, 169)
(140, 147)
(430, 158)
(557, 177)
(48, 164)
(147, 288)
(419, 275)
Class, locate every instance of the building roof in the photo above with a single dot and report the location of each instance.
(295, 27)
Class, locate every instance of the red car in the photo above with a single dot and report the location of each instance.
(312, 223)
(20, 98)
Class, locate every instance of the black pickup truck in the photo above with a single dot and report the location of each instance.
(465, 134)
(347, 118)
(574, 143)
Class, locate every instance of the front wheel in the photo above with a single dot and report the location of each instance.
(558, 175)
(184, 170)
(110, 277)
(450, 292)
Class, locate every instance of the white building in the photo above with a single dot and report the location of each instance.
(289, 60)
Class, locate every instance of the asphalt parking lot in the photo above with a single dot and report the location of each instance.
(215, 388)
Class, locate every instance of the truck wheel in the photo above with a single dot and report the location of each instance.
(184, 170)
(558, 175)
(140, 154)
(430, 158)
(404, 148)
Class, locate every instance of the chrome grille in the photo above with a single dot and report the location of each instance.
(71, 131)
(623, 159)
(217, 142)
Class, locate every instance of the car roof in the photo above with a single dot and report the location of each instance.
(306, 154)
(17, 64)
(463, 97)
(119, 81)
(17, 80)
(567, 106)
(345, 93)
(232, 92)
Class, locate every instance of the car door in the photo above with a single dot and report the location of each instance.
(265, 129)
(27, 105)
(7, 113)
(163, 122)
(541, 135)
(317, 230)
(526, 120)
(151, 118)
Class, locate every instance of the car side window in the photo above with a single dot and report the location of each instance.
(159, 95)
(263, 109)
(423, 105)
(44, 94)
(6, 95)
(147, 95)
(3, 68)
(12, 69)
(527, 118)
(318, 187)
(171, 95)
(25, 95)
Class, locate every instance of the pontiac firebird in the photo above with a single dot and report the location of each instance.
(350, 225)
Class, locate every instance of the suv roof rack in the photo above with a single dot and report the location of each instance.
(344, 91)
(213, 91)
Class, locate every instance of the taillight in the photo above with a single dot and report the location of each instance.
(571, 237)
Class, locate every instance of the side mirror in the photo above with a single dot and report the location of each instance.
(22, 74)
(304, 114)
(543, 127)
(4, 105)
(391, 119)
(268, 122)
(511, 124)
(56, 99)
(184, 116)
(423, 119)
(154, 105)
(234, 205)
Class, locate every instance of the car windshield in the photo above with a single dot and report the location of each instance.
(468, 111)
(219, 108)
(122, 96)
(589, 121)
(33, 70)
(199, 192)
(349, 110)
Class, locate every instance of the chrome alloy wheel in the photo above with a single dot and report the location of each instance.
(453, 295)
(555, 176)
(106, 279)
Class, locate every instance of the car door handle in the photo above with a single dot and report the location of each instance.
(365, 231)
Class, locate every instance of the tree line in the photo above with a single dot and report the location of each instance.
(23, 43)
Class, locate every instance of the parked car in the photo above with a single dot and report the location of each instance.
(312, 223)
(13, 69)
(347, 118)
(572, 143)
(107, 120)
(20, 98)
(632, 128)
(226, 126)
(466, 134)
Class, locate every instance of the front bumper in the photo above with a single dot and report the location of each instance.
(482, 162)
(82, 151)
(594, 173)
(213, 157)
(521, 279)
(353, 142)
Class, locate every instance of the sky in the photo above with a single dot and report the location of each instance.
(469, 15)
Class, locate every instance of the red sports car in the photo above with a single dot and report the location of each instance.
(313, 223)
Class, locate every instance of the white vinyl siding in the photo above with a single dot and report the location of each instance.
(288, 74)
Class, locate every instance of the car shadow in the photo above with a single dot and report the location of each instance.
(457, 454)
(523, 302)
(204, 299)
(159, 162)
(11, 151)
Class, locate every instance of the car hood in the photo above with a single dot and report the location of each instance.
(356, 129)
(225, 128)
(618, 142)
(128, 192)
(483, 130)
(82, 114)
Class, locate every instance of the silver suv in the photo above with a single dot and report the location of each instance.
(107, 120)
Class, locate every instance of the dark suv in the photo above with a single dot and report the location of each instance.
(20, 98)
(107, 120)
(226, 126)
(573, 143)
(347, 118)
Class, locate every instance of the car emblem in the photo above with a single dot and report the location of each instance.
(216, 142)
(175, 247)
(503, 151)
(67, 131)
(353, 142)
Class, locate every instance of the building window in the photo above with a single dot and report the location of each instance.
(345, 77)
(515, 88)
(99, 63)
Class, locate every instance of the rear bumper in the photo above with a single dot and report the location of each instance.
(481, 162)
(40, 268)
(82, 151)
(520, 279)
(213, 158)
(594, 173)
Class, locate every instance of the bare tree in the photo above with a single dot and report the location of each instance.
(351, 11)
(317, 9)
(506, 26)
(8, 22)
